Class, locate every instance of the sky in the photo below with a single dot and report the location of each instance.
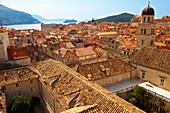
(86, 9)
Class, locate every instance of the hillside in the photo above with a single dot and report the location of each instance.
(124, 17)
(10, 17)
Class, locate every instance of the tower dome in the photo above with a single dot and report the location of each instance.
(148, 10)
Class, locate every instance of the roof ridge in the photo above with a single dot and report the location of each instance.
(91, 85)
(136, 54)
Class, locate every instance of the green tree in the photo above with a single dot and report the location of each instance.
(147, 95)
(133, 100)
(21, 104)
(139, 91)
(160, 102)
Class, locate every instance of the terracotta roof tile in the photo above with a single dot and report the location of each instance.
(84, 51)
(73, 90)
(153, 58)
(98, 70)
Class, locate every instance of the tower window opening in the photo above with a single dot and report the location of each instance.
(148, 19)
(142, 42)
(144, 31)
(141, 31)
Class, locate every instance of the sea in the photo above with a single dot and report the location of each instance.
(32, 26)
(25, 26)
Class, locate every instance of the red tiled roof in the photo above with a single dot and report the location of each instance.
(153, 58)
(98, 70)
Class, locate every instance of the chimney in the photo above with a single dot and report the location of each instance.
(59, 51)
(107, 71)
(74, 51)
(102, 68)
(89, 76)
(6, 77)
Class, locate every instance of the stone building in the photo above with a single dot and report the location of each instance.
(59, 89)
(19, 55)
(107, 72)
(85, 53)
(153, 65)
(4, 43)
(135, 21)
(163, 22)
(146, 29)
(66, 56)
(21, 81)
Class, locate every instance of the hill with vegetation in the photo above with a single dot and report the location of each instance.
(124, 17)
(70, 21)
(10, 17)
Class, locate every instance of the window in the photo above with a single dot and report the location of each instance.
(143, 74)
(141, 31)
(67, 60)
(162, 82)
(152, 31)
(31, 89)
(3, 88)
(29, 41)
(152, 43)
(148, 19)
(142, 42)
(144, 31)
(31, 81)
(17, 85)
(144, 19)
(19, 93)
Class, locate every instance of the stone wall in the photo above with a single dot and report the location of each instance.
(23, 62)
(50, 104)
(154, 76)
(28, 88)
(93, 60)
(117, 78)
(2, 52)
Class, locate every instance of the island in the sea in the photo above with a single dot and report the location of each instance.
(70, 21)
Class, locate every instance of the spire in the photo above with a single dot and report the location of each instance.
(148, 3)
(93, 19)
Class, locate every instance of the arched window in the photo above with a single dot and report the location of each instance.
(142, 42)
(148, 19)
(144, 31)
(144, 19)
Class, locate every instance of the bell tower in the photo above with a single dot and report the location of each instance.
(146, 32)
